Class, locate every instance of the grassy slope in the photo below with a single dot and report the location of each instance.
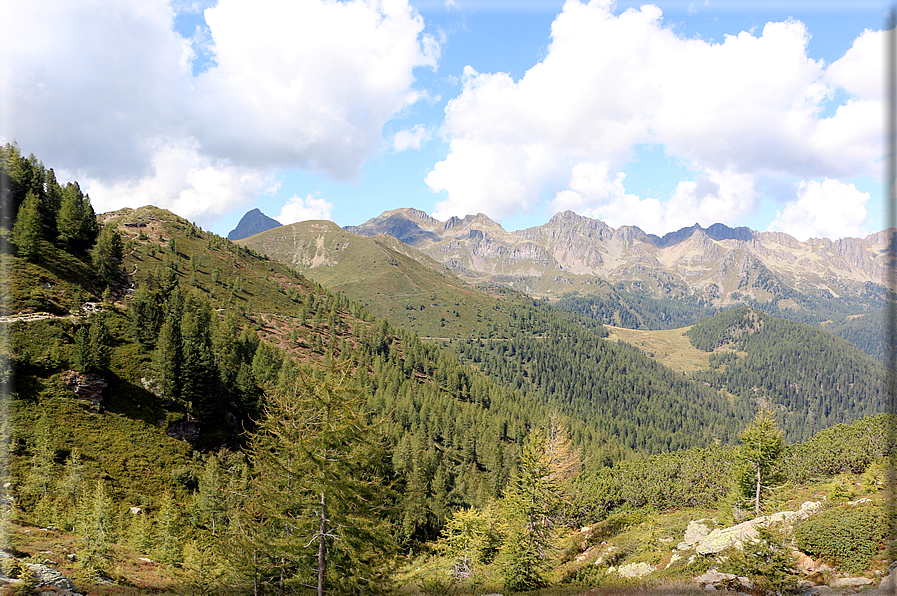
(670, 347)
(391, 279)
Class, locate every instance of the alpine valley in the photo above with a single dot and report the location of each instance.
(418, 407)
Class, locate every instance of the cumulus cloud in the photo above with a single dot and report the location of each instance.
(110, 91)
(859, 71)
(595, 191)
(747, 106)
(185, 182)
(299, 209)
(308, 84)
(410, 138)
(827, 209)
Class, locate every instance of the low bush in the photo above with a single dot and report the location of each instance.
(848, 537)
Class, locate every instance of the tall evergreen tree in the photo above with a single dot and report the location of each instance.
(762, 444)
(317, 459)
(27, 232)
(107, 255)
(198, 371)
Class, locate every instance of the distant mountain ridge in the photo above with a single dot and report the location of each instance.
(254, 222)
(718, 264)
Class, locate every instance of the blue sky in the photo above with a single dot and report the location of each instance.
(764, 114)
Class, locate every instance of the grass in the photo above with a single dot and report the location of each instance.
(670, 347)
(392, 280)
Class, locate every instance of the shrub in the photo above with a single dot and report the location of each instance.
(766, 562)
(848, 537)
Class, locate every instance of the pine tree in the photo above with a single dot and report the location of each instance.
(146, 318)
(762, 444)
(199, 374)
(531, 503)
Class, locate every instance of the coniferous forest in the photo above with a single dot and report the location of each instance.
(185, 415)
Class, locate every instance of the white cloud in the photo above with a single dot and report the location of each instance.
(410, 138)
(106, 88)
(859, 71)
(308, 83)
(747, 106)
(185, 182)
(713, 197)
(299, 209)
(829, 209)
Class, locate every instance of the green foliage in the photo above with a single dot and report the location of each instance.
(529, 505)
(841, 448)
(848, 537)
(470, 538)
(761, 446)
(315, 456)
(107, 255)
(27, 232)
(632, 310)
(819, 379)
(767, 562)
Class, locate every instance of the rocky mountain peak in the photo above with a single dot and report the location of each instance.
(254, 222)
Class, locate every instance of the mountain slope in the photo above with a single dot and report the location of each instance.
(815, 378)
(253, 222)
(392, 279)
(718, 266)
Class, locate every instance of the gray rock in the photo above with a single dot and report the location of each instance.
(636, 569)
(694, 533)
(52, 577)
(714, 577)
(888, 582)
(818, 591)
(850, 582)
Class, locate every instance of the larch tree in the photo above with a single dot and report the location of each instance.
(761, 446)
(317, 458)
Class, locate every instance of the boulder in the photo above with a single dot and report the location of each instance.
(636, 569)
(694, 533)
(722, 538)
(850, 582)
(53, 577)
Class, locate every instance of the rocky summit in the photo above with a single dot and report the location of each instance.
(254, 222)
(720, 264)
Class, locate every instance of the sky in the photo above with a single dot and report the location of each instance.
(748, 113)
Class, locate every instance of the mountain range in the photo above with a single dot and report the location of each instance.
(719, 264)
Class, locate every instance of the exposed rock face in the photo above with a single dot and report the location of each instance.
(254, 222)
(47, 576)
(694, 534)
(547, 259)
(722, 538)
(87, 386)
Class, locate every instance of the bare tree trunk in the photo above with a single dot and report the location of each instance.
(322, 559)
(757, 497)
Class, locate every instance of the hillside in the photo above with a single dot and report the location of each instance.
(816, 379)
(171, 395)
(628, 278)
(720, 264)
(393, 280)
